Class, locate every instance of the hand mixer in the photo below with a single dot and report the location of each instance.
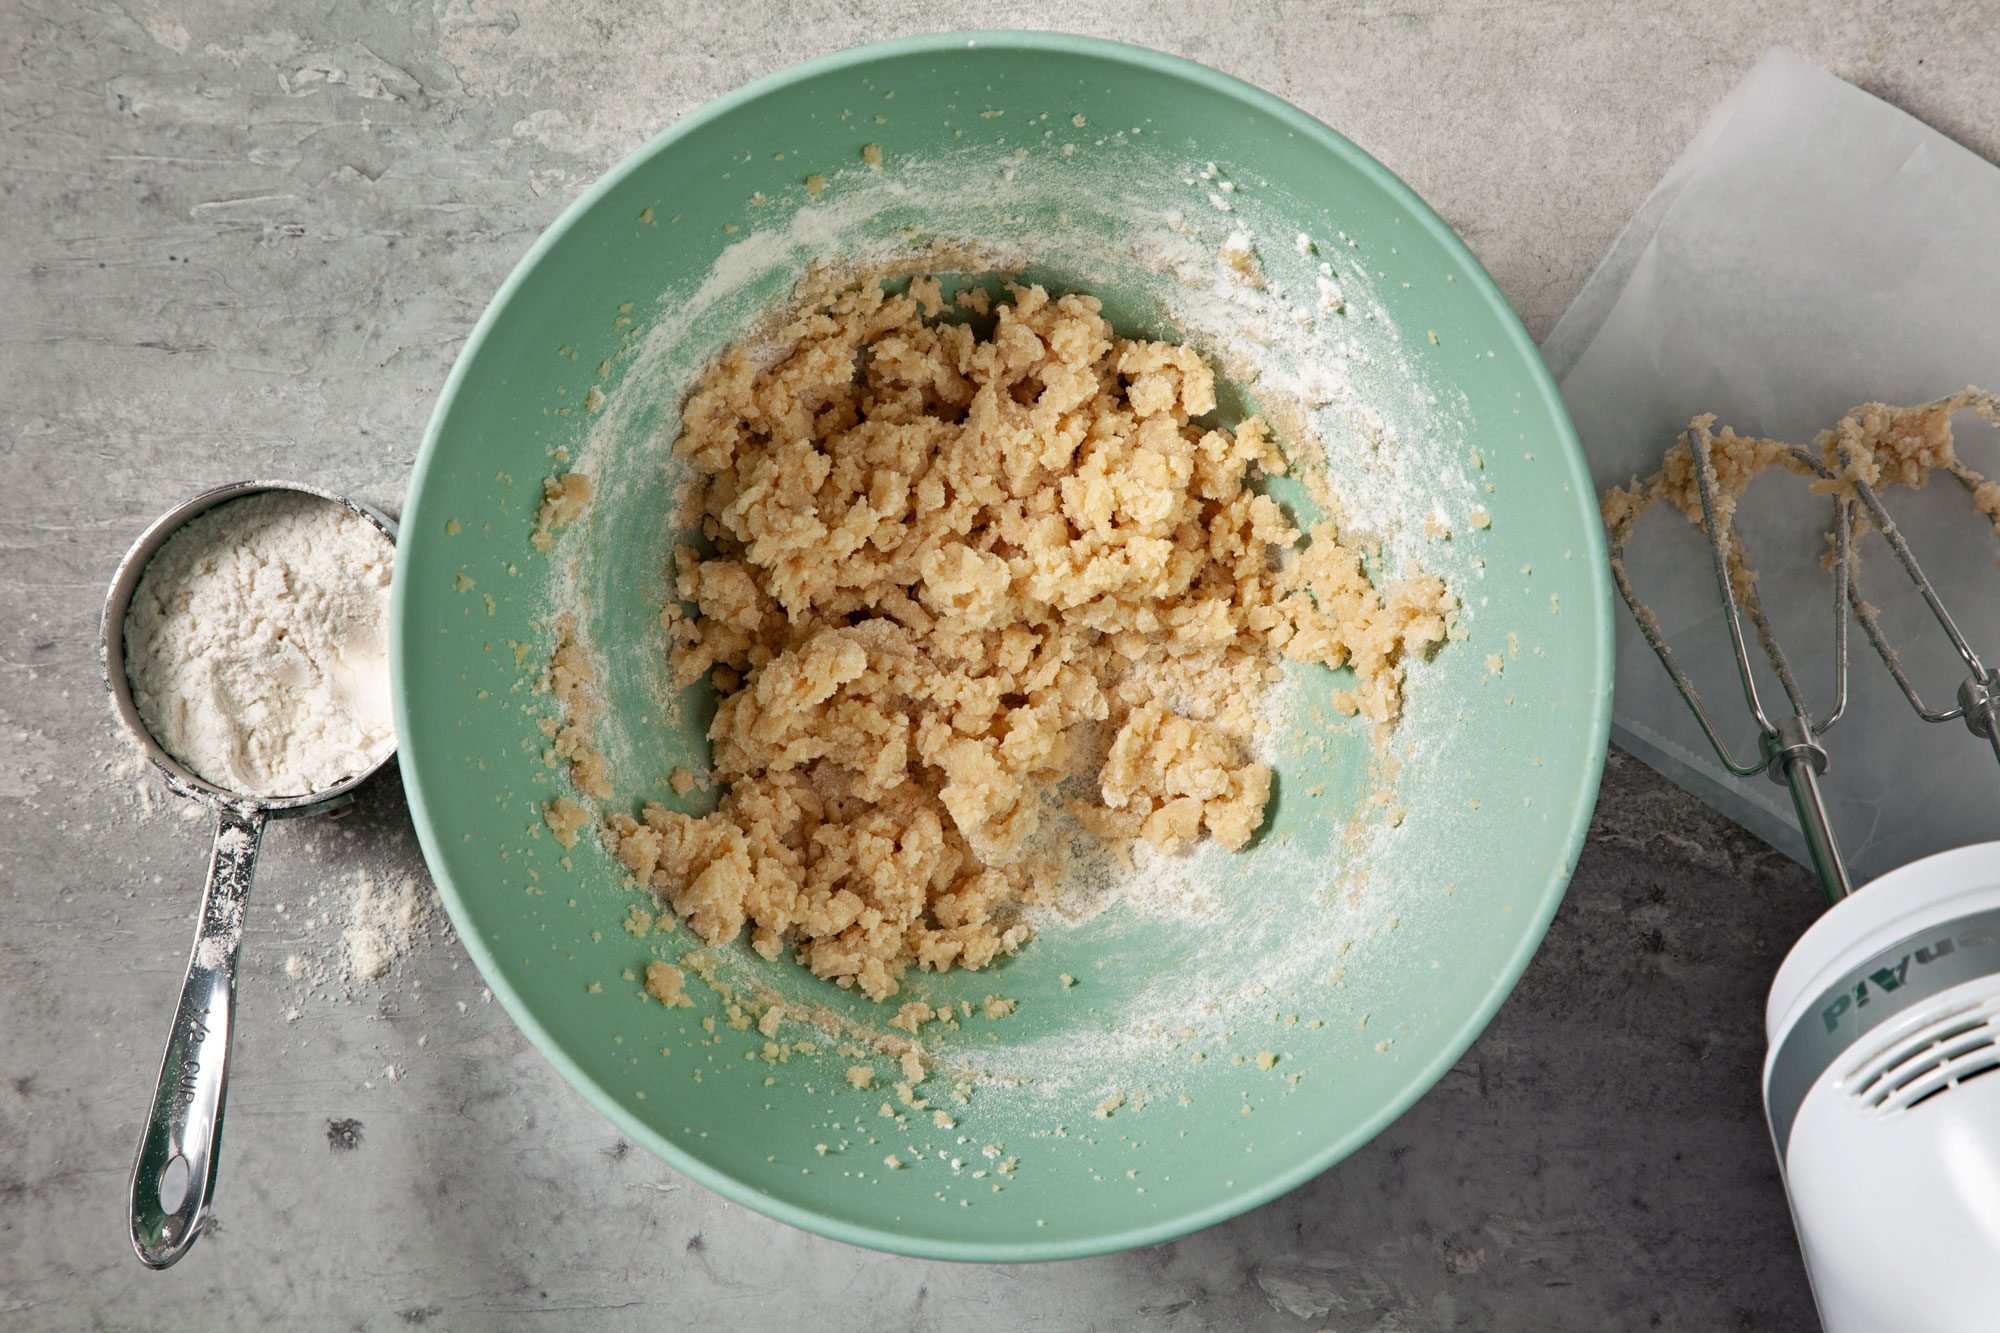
(1885, 1016)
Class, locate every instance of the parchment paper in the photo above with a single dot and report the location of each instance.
(1812, 249)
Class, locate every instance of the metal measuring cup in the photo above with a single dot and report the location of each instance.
(173, 1176)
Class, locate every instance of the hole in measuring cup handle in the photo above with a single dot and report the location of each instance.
(174, 1179)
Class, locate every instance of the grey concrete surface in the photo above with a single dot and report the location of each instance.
(247, 238)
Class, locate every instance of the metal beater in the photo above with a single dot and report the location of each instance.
(1790, 749)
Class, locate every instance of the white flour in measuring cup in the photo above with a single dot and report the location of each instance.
(257, 644)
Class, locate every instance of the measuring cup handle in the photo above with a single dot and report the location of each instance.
(174, 1174)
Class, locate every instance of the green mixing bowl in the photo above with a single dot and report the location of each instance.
(1233, 1024)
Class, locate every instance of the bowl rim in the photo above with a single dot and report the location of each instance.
(1535, 925)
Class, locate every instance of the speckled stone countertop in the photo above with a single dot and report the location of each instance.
(248, 238)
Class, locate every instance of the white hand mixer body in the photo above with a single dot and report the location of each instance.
(1884, 1023)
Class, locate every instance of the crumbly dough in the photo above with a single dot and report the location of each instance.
(665, 983)
(564, 500)
(949, 570)
(573, 680)
(565, 819)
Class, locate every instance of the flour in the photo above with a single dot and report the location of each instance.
(380, 920)
(384, 921)
(257, 645)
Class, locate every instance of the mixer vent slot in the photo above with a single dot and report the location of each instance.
(1962, 1076)
(1930, 1059)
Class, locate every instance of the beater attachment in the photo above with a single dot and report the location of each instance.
(1789, 749)
(1979, 693)
(1789, 744)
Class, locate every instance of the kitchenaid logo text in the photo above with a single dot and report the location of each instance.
(1891, 976)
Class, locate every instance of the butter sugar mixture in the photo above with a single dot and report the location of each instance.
(975, 581)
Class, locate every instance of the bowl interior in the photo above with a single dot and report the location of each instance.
(1354, 949)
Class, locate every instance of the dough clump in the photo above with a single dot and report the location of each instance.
(960, 555)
